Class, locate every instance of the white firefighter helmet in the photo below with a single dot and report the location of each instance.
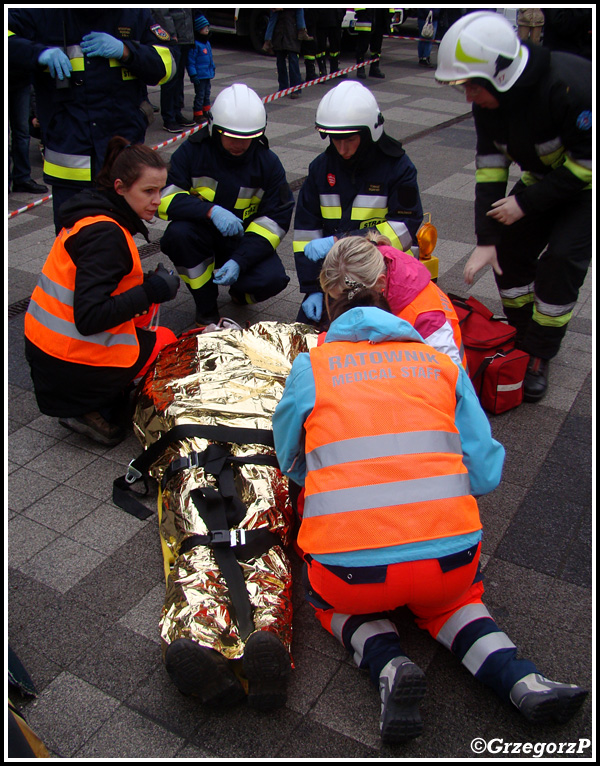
(239, 112)
(348, 108)
(484, 45)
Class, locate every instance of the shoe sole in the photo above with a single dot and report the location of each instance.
(401, 720)
(202, 672)
(81, 428)
(556, 708)
(267, 667)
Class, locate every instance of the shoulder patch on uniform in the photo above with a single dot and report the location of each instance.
(584, 121)
(159, 32)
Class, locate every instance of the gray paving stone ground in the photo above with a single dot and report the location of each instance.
(85, 580)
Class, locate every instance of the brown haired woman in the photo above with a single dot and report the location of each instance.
(84, 335)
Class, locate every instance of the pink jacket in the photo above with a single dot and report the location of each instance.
(406, 278)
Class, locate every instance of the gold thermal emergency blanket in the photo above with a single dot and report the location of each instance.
(227, 378)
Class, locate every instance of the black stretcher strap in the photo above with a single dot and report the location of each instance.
(123, 495)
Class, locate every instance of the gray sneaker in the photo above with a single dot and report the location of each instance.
(402, 686)
(543, 701)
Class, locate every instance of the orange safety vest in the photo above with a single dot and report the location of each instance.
(49, 321)
(383, 454)
(433, 299)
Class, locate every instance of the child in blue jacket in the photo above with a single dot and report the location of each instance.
(201, 68)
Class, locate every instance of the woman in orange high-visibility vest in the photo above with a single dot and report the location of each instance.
(390, 443)
(405, 282)
(84, 328)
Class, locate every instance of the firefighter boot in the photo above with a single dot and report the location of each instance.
(543, 701)
(402, 686)
(334, 67)
(311, 71)
(535, 384)
(322, 66)
(267, 668)
(360, 73)
(375, 71)
(202, 672)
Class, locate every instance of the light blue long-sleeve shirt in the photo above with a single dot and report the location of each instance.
(483, 456)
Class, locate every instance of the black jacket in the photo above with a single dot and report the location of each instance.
(543, 124)
(102, 257)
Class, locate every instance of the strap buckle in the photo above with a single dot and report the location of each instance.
(227, 538)
(132, 474)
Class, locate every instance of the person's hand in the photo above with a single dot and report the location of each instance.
(161, 285)
(227, 223)
(170, 278)
(483, 255)
(227, 274)
(57, 62)
(102, 44)
(506, 210)
(313, 306)
(317, 249)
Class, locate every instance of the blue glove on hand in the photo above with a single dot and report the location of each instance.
(57, 62)
(102, 44)
(227, 223)
(317, 249)
(313, 306)
(227, 274)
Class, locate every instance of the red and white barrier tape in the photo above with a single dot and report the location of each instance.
(266, 100)
(28, 207)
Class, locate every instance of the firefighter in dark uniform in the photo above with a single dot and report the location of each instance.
(370, 27)
(534, 108)
(229, 205)
(364, 179)
(90, 67)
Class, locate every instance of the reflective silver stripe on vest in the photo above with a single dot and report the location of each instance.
(54, 290)
(171, 189)
(247, 193)
(270, 225)
(483, 647)
(387, 445)
(548, 147)
(491, 161)
(307, 235)
(384, 495)
(75, 161)
(330, 200)
(68, 329)
(370, 201)
(402, 233)
(458, 621)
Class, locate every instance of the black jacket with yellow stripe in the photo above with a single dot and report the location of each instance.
(103, 96)
(375, 189)
(253, 186)
(544, 124)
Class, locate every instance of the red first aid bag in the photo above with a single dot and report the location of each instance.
(496, 368)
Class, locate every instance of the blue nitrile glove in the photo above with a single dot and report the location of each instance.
(57, 62)
(102, 44)
(227, 223)
(318, 248)
(313, 306)
(227, 274)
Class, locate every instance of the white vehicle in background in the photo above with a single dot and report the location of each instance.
(243, 21)
(397, 17)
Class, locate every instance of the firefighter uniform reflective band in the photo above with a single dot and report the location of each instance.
(49, 321)
(433, 299)
(358, 493)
